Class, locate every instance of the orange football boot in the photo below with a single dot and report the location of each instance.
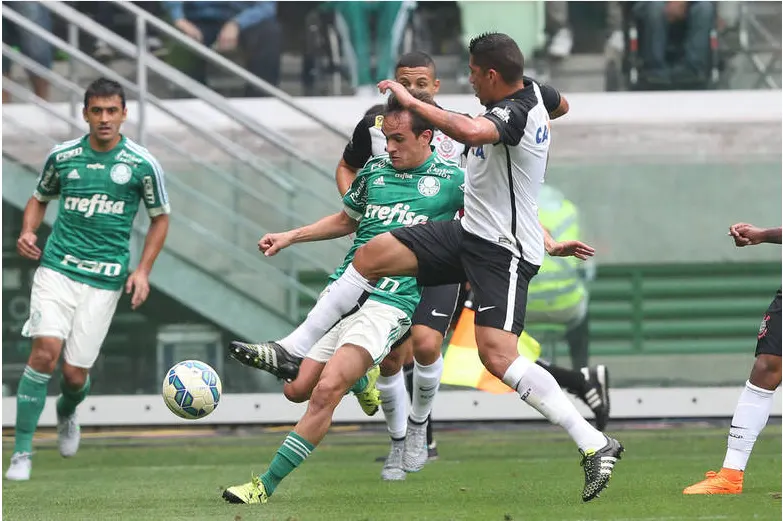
(727, 481)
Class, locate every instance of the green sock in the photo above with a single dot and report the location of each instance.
(30, 401)
(66, 404)
(360, 385)
(290, 455)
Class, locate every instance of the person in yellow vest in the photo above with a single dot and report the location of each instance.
(557, 294)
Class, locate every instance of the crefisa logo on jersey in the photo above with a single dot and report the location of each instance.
(429, 186)
(121, 173)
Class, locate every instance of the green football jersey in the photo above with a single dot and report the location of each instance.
(382, 199)
(99, 196)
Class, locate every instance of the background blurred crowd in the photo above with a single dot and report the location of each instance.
(328, 48)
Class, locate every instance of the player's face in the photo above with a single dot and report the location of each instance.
(105, 117)
(482, 82)
(406, 150)
(420, 79)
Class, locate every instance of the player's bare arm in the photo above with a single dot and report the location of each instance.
(138, 282)
(745, 234)
(561, 110)
(470, 131)
(33, 217)
(331, 227)
(344, 175)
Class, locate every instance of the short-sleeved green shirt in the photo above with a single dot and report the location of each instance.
(382, 199)
(99, 196)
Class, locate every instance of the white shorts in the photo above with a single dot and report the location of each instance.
(79, 314)
(375, 327)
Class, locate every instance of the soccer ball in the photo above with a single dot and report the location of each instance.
(191, 389)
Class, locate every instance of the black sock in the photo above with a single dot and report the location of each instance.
(407, 370)
(578, 339)
(570, 380)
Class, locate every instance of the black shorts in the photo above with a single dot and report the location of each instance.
(769, 333)
(435, 310)
(447, 254)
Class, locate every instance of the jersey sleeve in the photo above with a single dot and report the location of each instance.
(510, 118)
(156, 200)
(359, 148)
(355, 199)
(48, 186)
(549, 94)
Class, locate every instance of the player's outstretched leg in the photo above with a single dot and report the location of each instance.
(348, 364)
(498, 352)
(266, 356)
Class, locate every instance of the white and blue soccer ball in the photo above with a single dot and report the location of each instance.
(191, 389)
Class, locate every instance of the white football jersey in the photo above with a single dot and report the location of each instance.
(503, 180)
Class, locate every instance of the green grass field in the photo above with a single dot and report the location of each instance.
(507, 474)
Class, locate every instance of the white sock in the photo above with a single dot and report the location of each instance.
(394, 402)
(426, 380)
(343, 295)
(749, 419)
(540, 390)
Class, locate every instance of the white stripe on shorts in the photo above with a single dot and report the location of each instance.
(512, 293)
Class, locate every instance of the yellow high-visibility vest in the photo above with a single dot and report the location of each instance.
(462, 365)
(557, 284)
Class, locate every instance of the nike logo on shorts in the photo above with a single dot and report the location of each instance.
(484, 308)
(436, 314)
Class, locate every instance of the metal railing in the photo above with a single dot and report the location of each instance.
(143, 18)
(58, 80)
(146, 62)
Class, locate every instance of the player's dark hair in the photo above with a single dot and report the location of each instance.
(500, 52)
(103, 88)
(418, 123)
(375, 109)
(415, 59)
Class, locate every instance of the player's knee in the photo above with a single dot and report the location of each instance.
(372, 259)
(365, 260)
(75, 377)
(426, 348)
(44, 354)
(766, 372)
(496, 360)
(327, 394)
(390, 365)
(296, 393)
